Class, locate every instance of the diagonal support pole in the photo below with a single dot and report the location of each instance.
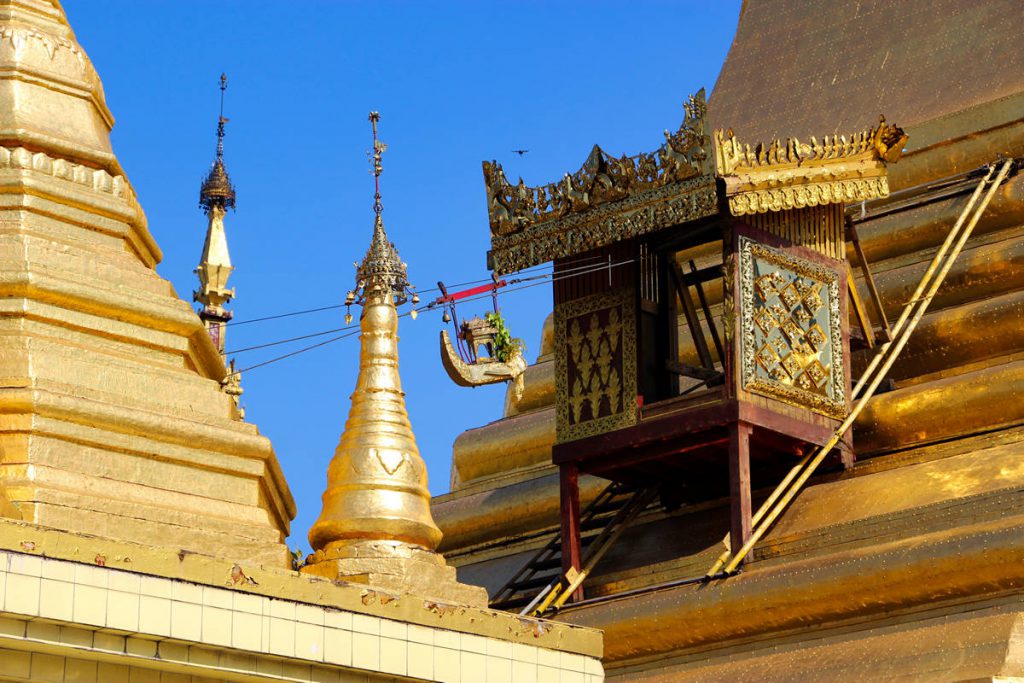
(911, 316)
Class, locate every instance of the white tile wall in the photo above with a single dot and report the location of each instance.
(135, 613)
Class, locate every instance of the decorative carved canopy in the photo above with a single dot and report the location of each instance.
(793, 174)
(611, 199)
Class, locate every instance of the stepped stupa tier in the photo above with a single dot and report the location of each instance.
(114, 421)
(61, 108)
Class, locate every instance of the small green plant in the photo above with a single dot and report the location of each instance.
(298, 558)
(505, 345)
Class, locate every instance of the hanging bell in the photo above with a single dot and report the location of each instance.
(415, 298)
(350, 298)
(446, 317)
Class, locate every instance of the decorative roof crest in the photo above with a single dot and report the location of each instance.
(217, 189)
(884, 143)
(603, 178)
(381, 270)
(793, 174)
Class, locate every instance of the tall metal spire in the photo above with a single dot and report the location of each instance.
(382, 272)
(217, 189)
(216, 196)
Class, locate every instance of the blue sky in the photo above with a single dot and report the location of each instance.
(456, 83)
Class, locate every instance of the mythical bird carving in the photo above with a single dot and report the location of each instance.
(482, 372)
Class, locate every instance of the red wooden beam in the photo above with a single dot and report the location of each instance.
(739, 483)
(447, 298)
(569, 496)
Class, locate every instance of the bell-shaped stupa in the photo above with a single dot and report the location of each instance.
(376, 525)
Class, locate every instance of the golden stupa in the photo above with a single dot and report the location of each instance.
(113, 420)
(376, 525)
(142, 521)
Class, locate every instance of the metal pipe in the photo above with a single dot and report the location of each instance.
(540, 596)
(922, 306)
(925, 281)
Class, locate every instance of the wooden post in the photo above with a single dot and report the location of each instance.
(739, 484)
(690, 311)
(869, 279)
(568, 475)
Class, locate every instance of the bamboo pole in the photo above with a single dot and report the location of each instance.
(555, 598)
(922, 306)
(925, 280)
(792, 474)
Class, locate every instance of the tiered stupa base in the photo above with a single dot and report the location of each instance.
(396, 567)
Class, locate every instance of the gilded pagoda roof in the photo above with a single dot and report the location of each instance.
(794, 70)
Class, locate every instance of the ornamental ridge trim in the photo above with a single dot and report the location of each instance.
(516, 211)
(610, 199)
(793, 174)
(630, 217)
(18, 37)
(22, 159)
(815, 194)
(883, 143)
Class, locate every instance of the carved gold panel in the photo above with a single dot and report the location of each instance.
(791, 330)
(595, 365)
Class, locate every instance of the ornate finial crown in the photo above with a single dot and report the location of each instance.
(381, 270)
(217, 189)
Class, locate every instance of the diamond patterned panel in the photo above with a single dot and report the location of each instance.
(791, 335)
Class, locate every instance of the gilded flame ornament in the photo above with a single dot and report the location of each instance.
(376, 526)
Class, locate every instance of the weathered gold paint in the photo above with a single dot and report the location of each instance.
(276, 582)
(918, 571)
(964, 646)
(525, 441)
(484, 514)
(968, 403)
(538, 389)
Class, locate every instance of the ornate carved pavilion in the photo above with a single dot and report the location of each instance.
(915, 551)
